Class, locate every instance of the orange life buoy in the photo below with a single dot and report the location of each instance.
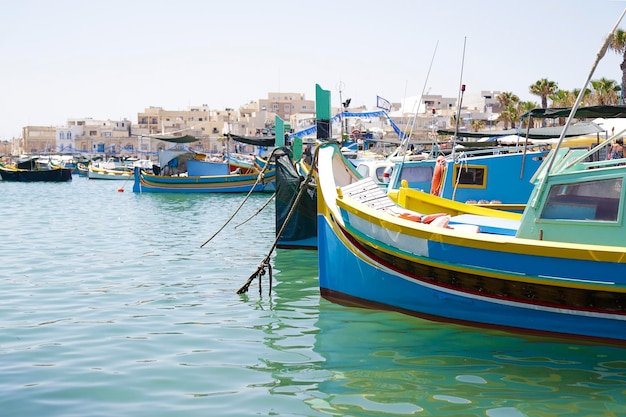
(435, 185)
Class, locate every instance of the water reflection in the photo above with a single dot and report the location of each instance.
(372, 362)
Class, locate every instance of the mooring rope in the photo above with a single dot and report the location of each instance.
(461, 160)
(265, 263)
(269, 200)
(260, 177)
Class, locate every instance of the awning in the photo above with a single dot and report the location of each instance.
(578, 129)
(590, 112)
(253, 140)
(175, 139)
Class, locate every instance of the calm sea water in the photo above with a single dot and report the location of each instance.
(109, 307)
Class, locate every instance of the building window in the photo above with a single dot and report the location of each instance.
(61, 135)
(69, 135)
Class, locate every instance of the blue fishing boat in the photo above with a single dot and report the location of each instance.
(558, 268)
(185, 171)
(260, 179)
(499, 174)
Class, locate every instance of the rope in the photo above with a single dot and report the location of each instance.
(269, 200)
(258, 179)
(258, 273)
(460, 159)
(266, 261)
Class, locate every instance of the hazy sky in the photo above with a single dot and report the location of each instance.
(111, 59)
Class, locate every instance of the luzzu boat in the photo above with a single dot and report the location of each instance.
(257, 180)
(559, 267)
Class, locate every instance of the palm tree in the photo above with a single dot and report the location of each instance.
(508, 115)
(453, 120)
(562, 98)
(618, 44)
(524, 107)
(587, 99)
(605, 92)
(543, 88)
(507, 99)
(477, 124)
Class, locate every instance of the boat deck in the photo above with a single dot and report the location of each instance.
(367, 192)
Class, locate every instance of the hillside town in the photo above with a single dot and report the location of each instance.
(420, 116)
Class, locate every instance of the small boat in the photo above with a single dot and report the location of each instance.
(95, 173)
(146, 182)
(184, 171)
(112, 169)
(35, 170)
(82, 169)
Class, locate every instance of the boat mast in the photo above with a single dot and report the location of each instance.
(404, 143)
(459, 100)
(605, 45)
(599, 57)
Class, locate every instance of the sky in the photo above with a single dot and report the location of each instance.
(112, 59)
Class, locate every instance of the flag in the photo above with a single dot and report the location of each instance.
(382, 103)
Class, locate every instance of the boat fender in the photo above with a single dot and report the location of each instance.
(435, 185)
(404, 214)
(429, 218)
(441, 221)
(411, 216)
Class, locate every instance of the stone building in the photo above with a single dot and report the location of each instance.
(37, 139)
(284, 105)
(255, 118)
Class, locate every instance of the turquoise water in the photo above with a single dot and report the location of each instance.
(109, 307)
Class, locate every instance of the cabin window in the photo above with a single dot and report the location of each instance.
(380, 174)
(364, 170)
(469, 176)
(415, 174)
(590, 200)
